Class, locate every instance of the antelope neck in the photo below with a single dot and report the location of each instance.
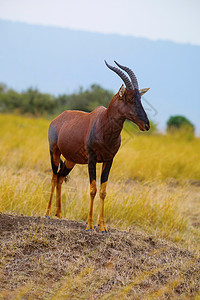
(113, 124)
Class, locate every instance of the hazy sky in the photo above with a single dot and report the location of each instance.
(176, 20)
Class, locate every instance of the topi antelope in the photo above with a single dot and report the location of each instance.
(91, 138)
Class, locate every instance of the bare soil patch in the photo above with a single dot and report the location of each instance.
(58, 259)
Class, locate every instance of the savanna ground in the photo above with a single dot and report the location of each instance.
(152, 211)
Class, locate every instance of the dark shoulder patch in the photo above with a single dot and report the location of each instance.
(91, 137)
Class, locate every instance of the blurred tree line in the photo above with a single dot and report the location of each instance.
(32, 101)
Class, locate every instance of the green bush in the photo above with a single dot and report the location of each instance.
(179, 122)
(180, 126)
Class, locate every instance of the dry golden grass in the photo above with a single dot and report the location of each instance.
(23, 144)
(149, 185)
(153, 186)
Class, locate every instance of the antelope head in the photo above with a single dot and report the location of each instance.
(129, 98)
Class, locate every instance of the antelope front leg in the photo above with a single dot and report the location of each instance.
(102, 226)
(104, 178)
(93, 188)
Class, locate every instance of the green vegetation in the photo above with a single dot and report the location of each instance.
(179, 123)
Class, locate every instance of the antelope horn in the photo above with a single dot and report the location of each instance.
(122, 75)
(131, 74)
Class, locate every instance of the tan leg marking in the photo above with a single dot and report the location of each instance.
(102, 226)
(56, 159)
(58, 197)
(93, 191)
(53, 185)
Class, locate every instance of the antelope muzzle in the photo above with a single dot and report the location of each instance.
(143, 126)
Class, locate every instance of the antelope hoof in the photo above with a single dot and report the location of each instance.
(47, 217)
(102, 227)
(89, 225)
(58, 215)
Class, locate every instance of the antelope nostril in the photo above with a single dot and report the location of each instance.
(146, 127)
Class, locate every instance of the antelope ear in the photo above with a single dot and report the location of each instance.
(143, 91)
(122, 91)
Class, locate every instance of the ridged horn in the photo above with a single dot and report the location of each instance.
(130, 73)
(122, 75)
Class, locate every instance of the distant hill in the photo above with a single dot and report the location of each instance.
(58, 60)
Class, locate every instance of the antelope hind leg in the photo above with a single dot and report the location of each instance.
(53, 185)
(55, 160)
(63, 172)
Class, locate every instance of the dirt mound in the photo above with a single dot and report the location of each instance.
(58, 259)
